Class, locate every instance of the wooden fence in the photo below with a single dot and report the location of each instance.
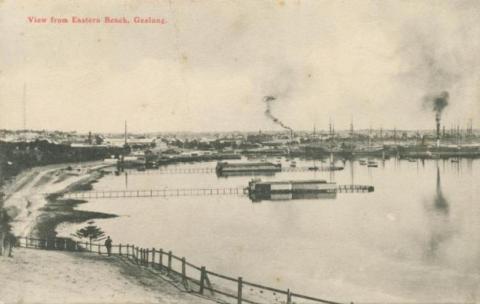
(196, 279)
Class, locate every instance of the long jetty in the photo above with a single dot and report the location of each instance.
(188, 192)
(209, 170)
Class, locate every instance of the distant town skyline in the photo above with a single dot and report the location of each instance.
(218, 66)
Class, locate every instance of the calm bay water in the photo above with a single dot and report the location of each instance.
(414, 239)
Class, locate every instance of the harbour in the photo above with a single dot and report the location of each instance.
(416, 233)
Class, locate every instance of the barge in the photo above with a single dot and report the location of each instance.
(225, 168)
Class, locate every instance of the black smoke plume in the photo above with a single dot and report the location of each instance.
(436, 103)
(268, 112)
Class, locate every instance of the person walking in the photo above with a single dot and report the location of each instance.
(108, 244)
(8, 244)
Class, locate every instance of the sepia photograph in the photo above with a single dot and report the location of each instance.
(239, 151)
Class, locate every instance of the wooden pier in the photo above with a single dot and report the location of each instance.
(154, 193)
(354, 188)
(189, 192)
(209, 170)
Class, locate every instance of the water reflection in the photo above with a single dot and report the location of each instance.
(256, 198)
(438, 210)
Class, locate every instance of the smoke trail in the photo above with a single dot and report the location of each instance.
(268, 112)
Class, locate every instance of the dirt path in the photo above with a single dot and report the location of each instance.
(40, 276)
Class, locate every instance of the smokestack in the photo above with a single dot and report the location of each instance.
(437, 103)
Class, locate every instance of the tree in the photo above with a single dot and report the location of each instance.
(90, 232)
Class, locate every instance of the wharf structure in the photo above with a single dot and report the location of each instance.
(225, 168)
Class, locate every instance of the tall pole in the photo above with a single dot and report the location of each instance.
(125, 133)
(24, 106)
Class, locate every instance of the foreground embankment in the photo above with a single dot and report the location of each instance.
(42, 276)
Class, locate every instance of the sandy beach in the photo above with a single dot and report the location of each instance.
(26, 199)
(41, 276)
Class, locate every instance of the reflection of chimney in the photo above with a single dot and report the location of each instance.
(440, 203)
(437, 119)
(438, 180)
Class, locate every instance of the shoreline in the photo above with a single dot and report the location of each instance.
(36, 214)
(29, 276)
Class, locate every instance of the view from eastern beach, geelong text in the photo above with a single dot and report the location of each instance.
(239, 152)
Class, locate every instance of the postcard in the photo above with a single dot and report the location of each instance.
(240, 151)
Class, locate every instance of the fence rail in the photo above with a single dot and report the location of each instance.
(193, 278)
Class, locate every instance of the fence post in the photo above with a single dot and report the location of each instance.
(64, 244)
(26, 242)
(184, 271)
(239, 295)
(98, 247)
(202, 279)
(127, 251)
(184, 274)
(161, 258)
(120, 249)
(289, 297)
(153, 257)
(147, 253)
(169, 261)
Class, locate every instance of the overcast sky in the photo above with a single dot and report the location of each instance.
(212, 64)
